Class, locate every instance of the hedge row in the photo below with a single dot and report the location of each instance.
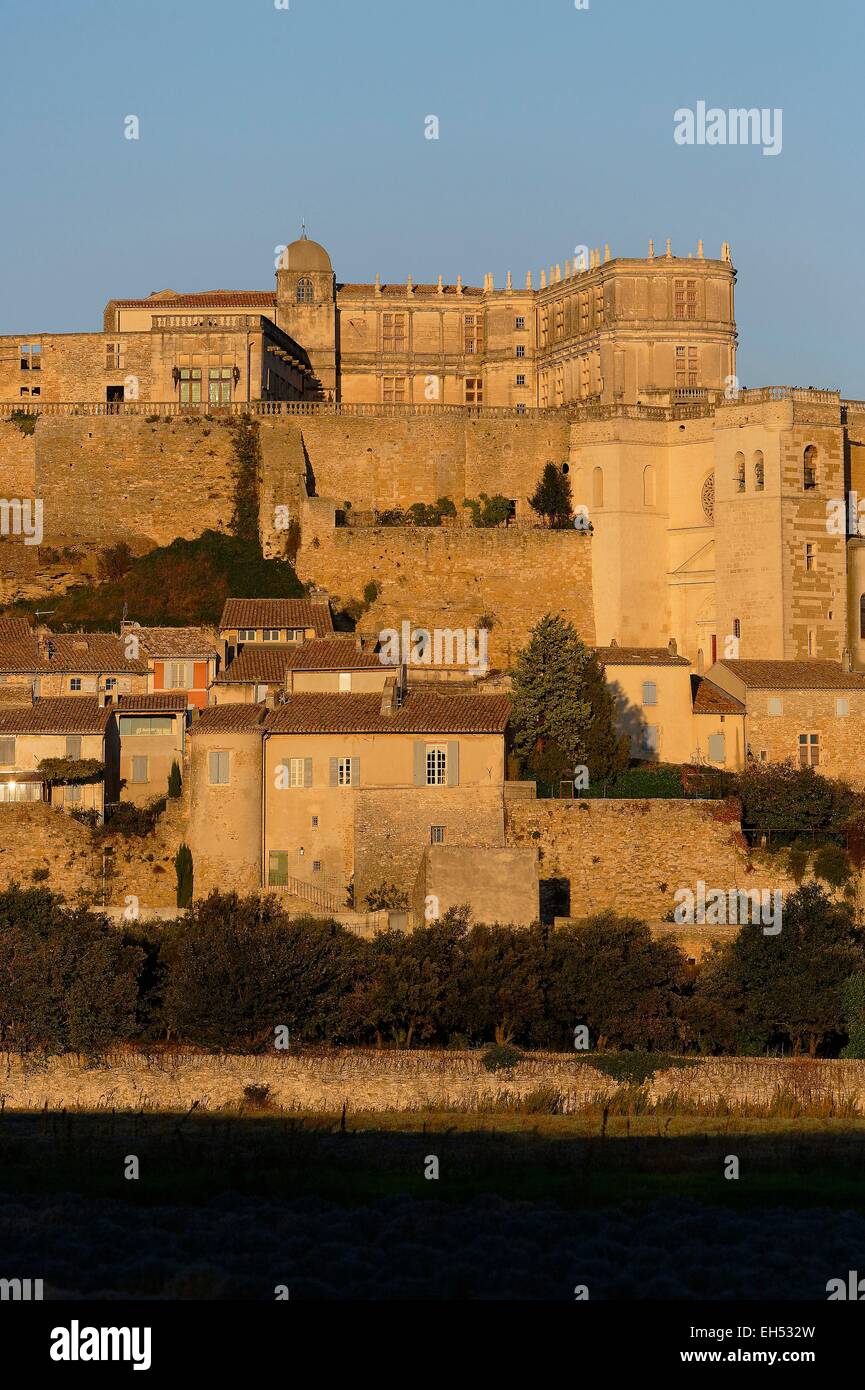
(237, 969)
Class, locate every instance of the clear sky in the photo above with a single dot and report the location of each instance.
(555, 130)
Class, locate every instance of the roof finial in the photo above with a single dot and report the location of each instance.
(303, 231)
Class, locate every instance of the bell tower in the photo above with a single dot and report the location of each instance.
(306, 308)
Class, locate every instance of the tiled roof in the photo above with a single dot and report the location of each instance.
(639, 656)
(332, 654)
(71, 714)
(420, 714)
(156, 703)
(402, 291)
(795, 675)
(229, 719)
(277, 612)
(209, 299)
(257, 664)
(175, 641)
(709, 698)
(14, 628)
(94, 653)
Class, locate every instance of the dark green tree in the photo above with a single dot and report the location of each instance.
(175, 781)
(561, 705)
(183, 869)
(551, 498)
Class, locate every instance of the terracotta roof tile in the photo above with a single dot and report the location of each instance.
(709, 698)
(795, 675)
(419, 714)
(175, 641)
(257, 664)
(155, 703)
(94, 653)
(70, 714)
(277, 613)
(209, 299)
(229, 719)
(332, 654)
(14, 628)
(639, 656)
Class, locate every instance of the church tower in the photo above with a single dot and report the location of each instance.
(306, 308)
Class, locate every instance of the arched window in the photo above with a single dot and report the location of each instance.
(598, 487)
(740, 471)
(648, 486)
(758, 470)
(305, 293)
(809, 467)
(862, 616)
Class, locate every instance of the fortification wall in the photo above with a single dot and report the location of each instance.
(439, 577)
(630, 856)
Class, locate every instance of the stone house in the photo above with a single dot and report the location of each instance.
(72, 729)
(264, 673)
(277, 621)
(179, 660)
(152, 731)
(69, 663)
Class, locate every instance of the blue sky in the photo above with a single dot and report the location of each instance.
(556, 129)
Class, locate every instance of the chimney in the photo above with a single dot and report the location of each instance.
(388, 697)
(672, 648)
(701, 663)
(847, 659)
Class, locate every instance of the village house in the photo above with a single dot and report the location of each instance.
(263, 673)
(152, 732)
(63, 750)
(67, 663)
(179, 659)
(279, 621)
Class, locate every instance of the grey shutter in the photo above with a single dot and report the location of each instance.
(717, 751)
(419, 763)
(355, 772)
(307, 772)
(334, 772)
(453, 763)
(73, 745)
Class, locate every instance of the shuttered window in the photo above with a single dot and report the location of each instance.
(219, 768)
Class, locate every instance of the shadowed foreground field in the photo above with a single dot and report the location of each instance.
(523, 1207)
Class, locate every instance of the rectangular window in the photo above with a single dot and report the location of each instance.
(436, 834)
(114, 357)
(295, 772)
(190, 385)
(71, 795)
(316, 866)
(31, 357)
(471, 333)
(650, 693)
(842, 707)
(474, 390)
(521, 352)
(7, 752)
(809, 750)
(393, 332)
(436, 766)
(219, 384)
(521, 378)
(246, 634)
(315, 822)
(519, 321)
(140, 771)
(277, 868)
(218, 763)
(717, 750)
(73, 745)
(776, 704)
(270, 634)
(809, 556)
(178, 675)
(345, 682)
(75, 683)
(143, 725)
(393, 390)
(343, 776)
(110, 682)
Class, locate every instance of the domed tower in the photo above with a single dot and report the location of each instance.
(306, 307)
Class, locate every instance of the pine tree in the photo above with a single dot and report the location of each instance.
(183, 869)
(175, 781)
(551, 498)
(563, 713)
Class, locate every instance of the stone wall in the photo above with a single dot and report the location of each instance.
(43, 847)
(448, 578)
(631, 856)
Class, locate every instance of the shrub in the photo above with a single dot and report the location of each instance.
(551, 499)
(183, 870)
(501, 1057)
(130, 819)
(25, 422)
(371, 592)
(116, 561)
(489, 511)
(832, 865)
(797, 861)
(175, 781)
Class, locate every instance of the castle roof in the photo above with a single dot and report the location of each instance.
(208, 299)
(305, 255)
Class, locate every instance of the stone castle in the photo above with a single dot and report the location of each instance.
(714, 510)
